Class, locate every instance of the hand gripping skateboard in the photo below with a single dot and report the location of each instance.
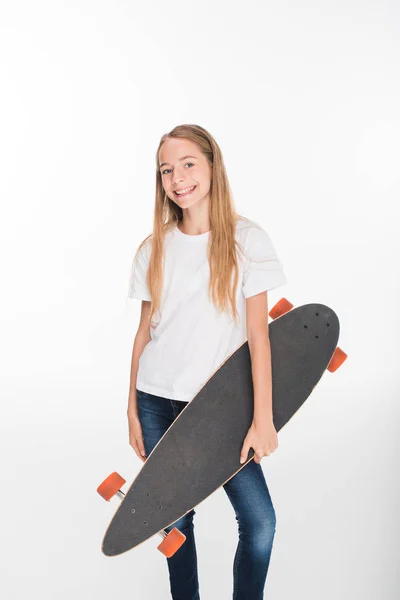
(201, 449)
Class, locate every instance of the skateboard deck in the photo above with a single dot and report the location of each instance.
(201, 449)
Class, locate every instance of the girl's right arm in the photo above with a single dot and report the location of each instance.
(141, 339)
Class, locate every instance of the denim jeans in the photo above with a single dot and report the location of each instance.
(250, 499)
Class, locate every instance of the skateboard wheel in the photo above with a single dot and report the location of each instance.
(337, 359)
(111, 485)
(172, 542)
(280, 308)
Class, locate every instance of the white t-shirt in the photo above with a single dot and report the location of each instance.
(190, 338)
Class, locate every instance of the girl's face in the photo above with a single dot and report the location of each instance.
(183, 165)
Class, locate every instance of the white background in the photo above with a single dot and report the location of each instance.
(303, 99)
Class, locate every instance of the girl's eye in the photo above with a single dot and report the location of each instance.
(165, 170)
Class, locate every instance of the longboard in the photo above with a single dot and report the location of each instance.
(201, 449)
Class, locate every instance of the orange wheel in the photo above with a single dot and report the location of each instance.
(110, 486)
(337, 359)
(280, 308)
(172, 542)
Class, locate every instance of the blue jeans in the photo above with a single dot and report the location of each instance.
(250, 499)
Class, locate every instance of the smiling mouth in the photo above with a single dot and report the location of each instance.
(186, 193)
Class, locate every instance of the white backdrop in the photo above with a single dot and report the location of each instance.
(303, 99)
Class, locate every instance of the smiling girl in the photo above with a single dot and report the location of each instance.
(203, 275)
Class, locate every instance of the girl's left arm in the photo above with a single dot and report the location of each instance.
(262, 436)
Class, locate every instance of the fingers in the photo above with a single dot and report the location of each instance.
(136, 439)
(138, 447)
(244, 453)
(138, 454)
(142, 458)
(257, 458)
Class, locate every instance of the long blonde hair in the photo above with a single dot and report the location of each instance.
(222, 244)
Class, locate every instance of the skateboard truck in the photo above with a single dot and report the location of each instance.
(282, 307)
(172, 541)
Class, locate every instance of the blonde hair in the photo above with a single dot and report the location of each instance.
(222, 243)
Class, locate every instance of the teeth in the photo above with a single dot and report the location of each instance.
(185, 190)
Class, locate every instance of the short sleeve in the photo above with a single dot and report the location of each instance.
(263, 270)
(138, 287)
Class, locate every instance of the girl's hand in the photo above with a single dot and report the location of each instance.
(136, 437)
(262, 438)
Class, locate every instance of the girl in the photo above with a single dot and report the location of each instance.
(203, 276)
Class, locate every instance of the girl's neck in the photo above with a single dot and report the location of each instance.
(193, 229)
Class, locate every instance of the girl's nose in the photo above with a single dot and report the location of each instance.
(177, 176)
